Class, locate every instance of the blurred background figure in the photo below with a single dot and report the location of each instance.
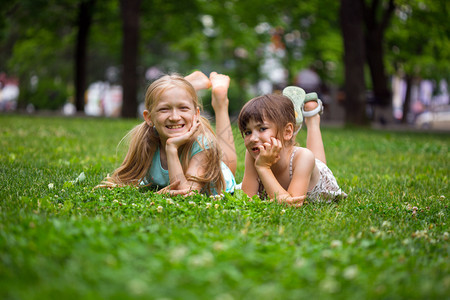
(9, 93)
(309, 80)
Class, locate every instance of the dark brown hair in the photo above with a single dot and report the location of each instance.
(275, 108)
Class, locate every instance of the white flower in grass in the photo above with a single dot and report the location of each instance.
(283, 211)
(137, 286)
(219, 246)
(51, 185)
(192, 203)
(406, 242)
(386, 224)
(300, 262)
(81, 177)
(216, 197)
(159, 209)
(336, 244)
(216, 206)
(201, 260)
(327, 253)
(208, 205)
(350, 272)
(330, 285)
(178, 253)
(170, 201)
(351, 240)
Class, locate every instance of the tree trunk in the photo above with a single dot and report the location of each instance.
(351, 21)
(375, 60)
(407, 103)
(130, 52)
(376, 19)
(84, 20)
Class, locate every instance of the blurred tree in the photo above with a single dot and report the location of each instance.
(130, 12)
(41, 42)
(351, 18)
(44, 32)
(83, 24)
(419, 43)
(377, 15)
(226, 36)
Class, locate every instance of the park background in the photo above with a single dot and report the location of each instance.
(375, 59)
(60, 238)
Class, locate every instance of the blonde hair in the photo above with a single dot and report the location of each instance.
(144, 141)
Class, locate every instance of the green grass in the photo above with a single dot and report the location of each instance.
(60, 239)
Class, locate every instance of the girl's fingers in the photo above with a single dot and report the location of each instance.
(186, 192)
(294, 201)
(276, 143)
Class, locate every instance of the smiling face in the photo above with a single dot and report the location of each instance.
(257, 133)
(264, 117)
(173, 113)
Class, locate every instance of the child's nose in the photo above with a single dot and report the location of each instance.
(174, 115)
(253, 136)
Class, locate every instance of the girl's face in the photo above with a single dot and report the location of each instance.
(258, 133)
(174, 113)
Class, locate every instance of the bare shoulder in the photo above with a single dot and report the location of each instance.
(303, 154)
(303, 158)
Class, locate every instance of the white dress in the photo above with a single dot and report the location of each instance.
(326, 188)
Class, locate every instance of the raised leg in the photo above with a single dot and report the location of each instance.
(314, 140)
(198, 80)
(219, 102)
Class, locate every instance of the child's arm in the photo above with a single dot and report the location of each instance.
(250, 182)
(269, 154)
(173, 162)
(303, 169)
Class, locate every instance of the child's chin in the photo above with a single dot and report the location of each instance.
(254, 154)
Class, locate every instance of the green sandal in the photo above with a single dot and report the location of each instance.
(297, 96)
(318, 110)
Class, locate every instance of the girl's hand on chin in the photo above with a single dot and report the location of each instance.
(178, 141)
(269, 153)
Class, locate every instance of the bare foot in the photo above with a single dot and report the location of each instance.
(314, 120)
(219, 95)
(198, 80)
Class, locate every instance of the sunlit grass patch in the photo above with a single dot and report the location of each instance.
(60, 237)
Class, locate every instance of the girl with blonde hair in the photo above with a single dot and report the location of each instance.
(175, 149)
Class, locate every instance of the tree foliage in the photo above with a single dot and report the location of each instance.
(38, 38)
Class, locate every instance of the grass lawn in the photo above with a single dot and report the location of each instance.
(60, 239)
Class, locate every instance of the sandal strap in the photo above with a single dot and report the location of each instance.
(315, 111)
